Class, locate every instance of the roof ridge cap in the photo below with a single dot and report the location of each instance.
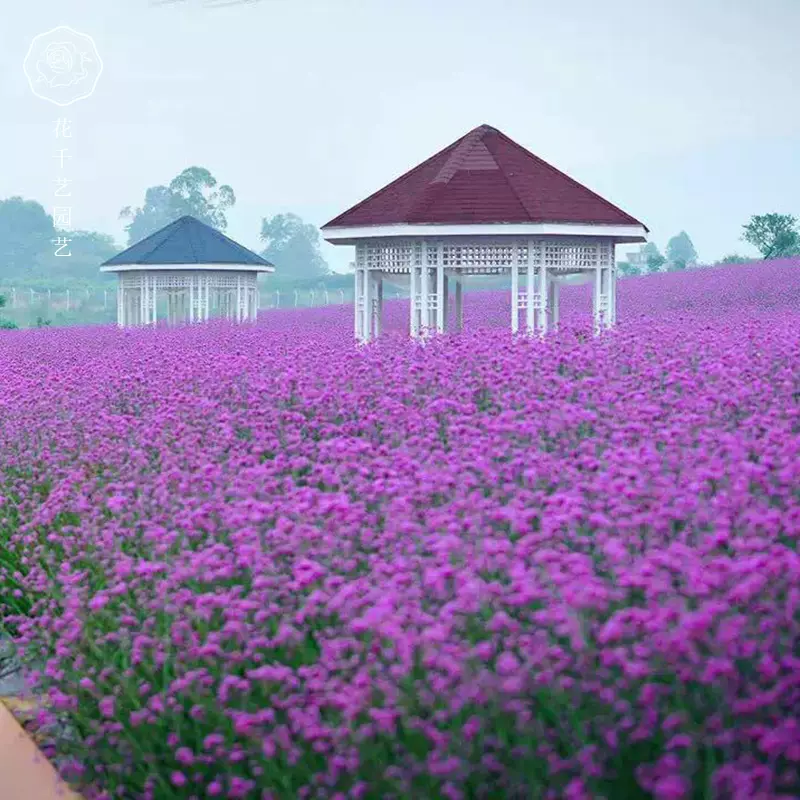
(462, 148)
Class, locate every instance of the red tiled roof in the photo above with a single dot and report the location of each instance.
(483, 177)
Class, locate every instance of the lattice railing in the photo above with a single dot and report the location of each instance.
(399, 255)
(162, 281)
(570, 255)
(483, 255)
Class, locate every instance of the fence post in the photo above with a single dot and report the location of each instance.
(313, 295)
(341, 294)
(296, 297)
(277, 298)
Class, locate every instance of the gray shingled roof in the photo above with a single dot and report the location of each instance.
(187, 241)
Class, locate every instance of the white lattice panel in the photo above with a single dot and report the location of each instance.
(571, 255)
(185, 279)
(479, 255)
(388, 257)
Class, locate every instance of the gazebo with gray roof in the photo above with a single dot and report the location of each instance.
(186, 272)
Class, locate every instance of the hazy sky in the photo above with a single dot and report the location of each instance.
(686, 113)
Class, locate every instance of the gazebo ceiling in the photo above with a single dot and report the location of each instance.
(483, 178)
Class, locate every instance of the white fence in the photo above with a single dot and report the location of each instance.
(106, 299)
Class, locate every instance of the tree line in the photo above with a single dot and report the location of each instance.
(28, 256)
(28, 233)
(773, 235)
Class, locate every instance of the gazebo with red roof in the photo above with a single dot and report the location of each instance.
(483, 206)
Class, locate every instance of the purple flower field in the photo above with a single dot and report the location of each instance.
(259, 562)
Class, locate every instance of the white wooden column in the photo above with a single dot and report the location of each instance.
(120, 302)
(142, 299)
(530, 290)
(446, 293)
(357, 300)
(612, 311)
(366, 312)
(514, 291)
(413, 299)
(425, 315)
(378, 304)
(597, 297)
(552, 300)
(440, 295)
(153, 302)
(542, 293)
(459, 303)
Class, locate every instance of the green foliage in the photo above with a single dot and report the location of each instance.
(194, 191)
(26, 230)
(626, 268)
(681, 249)
(5, 324)
(293, 246)
(651, 249)
(27, 249)
(735, 258)
(88, 250)
(655, 262)
(773, 235)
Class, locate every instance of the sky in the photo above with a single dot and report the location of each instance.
(684, 113)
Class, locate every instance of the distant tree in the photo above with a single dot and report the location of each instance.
(650, 249)
(88, 249)
(627, 269)
(4, 323)
(652, 257)
(734, 258)
(773, 235)
(681, 249)
(26, 231)
(194, 192)
(678, 264)
(293, 246)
